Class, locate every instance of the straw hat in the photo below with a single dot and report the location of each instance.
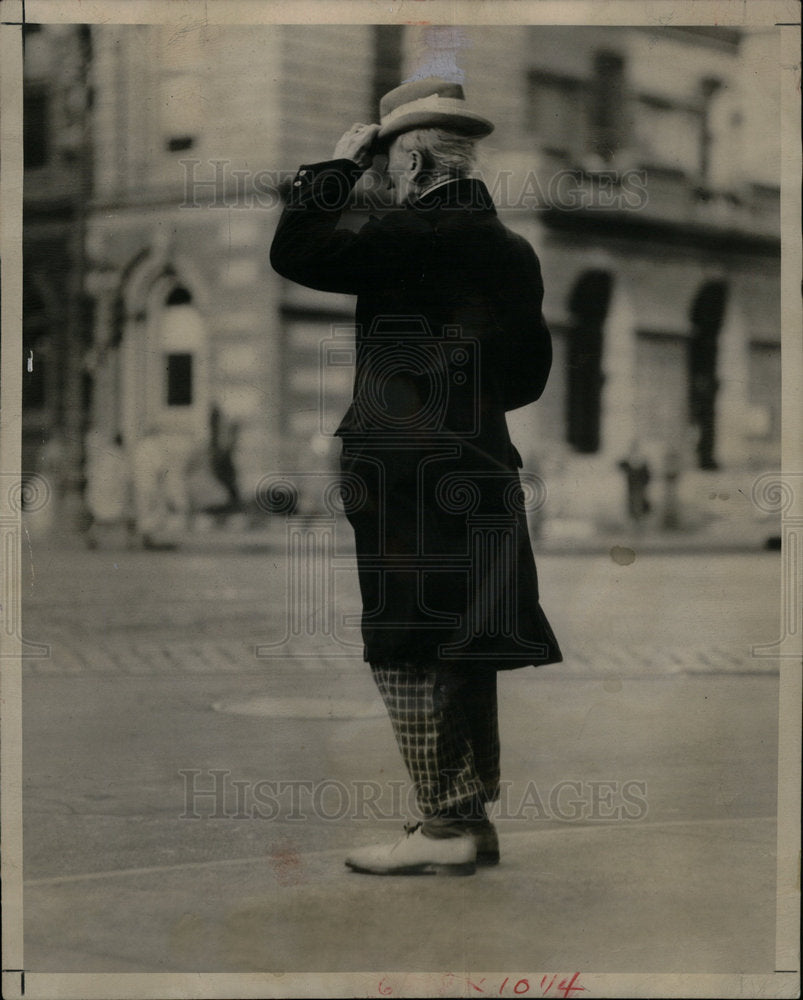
(430, 103)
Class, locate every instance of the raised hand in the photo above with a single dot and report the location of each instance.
(356, 144)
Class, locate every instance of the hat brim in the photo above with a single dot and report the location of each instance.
(464, 122)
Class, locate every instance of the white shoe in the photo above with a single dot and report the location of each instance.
(417, 854)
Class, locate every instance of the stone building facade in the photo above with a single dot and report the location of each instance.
(651, 196)
(57, 326)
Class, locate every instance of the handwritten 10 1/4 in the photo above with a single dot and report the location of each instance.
(549, 986)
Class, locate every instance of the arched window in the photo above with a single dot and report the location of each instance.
(163, 353)
(167, 362)
(588, 306)
(180, 344)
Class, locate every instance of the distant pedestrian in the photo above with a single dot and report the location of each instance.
(637, 477)
(224, 437)
(109, 492)
(671, 473)
(207, 495)
(53, 465)
(160, 492)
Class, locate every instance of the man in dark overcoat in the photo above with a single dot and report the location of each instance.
(449, 336)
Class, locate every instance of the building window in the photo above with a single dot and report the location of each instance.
(707, 313)
(588, 306)
(181, 86)
(661, 387)
(39, 340)
(87, 397)
(180, 344)
(174, 377)
(722, 39)
(388, 40)
(608, 109)
(35, 381)
(556, 114)
(764, 374)
(720, 138)
(178, 366)
(180, 143)
(35, 130)
(710, 87)
(667, 134)
(179, 296)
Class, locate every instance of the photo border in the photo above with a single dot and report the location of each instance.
(783, 983)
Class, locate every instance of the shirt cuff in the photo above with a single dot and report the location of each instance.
(326, 186)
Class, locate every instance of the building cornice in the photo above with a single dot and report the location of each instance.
(631, 226)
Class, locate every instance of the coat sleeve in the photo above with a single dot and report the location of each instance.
(308, 248)
(527, 343)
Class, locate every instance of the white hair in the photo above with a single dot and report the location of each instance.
(445, 154)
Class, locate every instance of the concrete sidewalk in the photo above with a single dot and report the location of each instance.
(271, 537)
(718, 537)
(121, 882)
(151, 671)
(658, 897)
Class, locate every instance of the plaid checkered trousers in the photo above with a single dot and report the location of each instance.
(446, 724)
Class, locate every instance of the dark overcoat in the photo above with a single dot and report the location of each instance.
(449, 336)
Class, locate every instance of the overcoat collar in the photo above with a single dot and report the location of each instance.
(466, 193)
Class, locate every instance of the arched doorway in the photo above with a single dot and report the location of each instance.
(176, 397)
(588, 306)
(164, 364)
(706, 316)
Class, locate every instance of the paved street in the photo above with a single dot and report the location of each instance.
(188, 803)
